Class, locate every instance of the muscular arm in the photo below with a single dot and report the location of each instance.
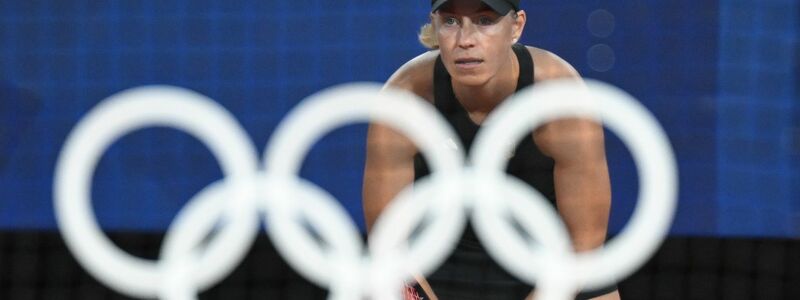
(388, 169)
(582, 185)
(389, 164)
(583, 192)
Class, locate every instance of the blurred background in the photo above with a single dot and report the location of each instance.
(722, 77)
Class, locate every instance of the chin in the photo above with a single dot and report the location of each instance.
(471, 79)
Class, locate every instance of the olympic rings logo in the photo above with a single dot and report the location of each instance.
(233, 207)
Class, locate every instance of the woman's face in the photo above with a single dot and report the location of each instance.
(474, 40)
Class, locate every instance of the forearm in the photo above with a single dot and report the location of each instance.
(389, 168)
(379, 188)
(584, 201)
(580, 176)
(583, 193)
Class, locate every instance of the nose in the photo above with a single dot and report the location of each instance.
(466, 36)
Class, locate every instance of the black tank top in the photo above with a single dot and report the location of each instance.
(527, 163)
(470, 273)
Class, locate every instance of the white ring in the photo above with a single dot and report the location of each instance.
(226, 204)
(635, 126)
(319, 114)
(494, 198)
(119, 114)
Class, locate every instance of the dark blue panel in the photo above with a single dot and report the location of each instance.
(757, 166)
(717, 74)
(257, 58)
(666, 56)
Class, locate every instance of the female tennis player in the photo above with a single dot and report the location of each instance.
(474, 64)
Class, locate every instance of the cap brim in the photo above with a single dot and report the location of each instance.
(438, 4)
(500, 6)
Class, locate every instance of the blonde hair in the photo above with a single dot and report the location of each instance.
(427, 36)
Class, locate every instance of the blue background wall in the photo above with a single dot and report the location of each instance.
(721, 76)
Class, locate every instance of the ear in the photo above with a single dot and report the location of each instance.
(518, 26)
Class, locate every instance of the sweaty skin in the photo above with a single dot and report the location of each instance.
(475, 46)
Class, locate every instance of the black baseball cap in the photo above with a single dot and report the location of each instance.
(500, 6)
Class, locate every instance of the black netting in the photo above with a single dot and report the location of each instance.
(37, 265)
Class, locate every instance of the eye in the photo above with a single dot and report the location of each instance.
(450, 21)
(486, 20)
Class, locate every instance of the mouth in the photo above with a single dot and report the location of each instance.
(468, 62)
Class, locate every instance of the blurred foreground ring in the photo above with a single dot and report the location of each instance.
(231, 209)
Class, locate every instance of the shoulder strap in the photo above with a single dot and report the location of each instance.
(443, 96)
(525, 66)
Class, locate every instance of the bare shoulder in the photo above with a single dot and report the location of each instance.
(416, 75)
(567, 139)
(548, 65)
